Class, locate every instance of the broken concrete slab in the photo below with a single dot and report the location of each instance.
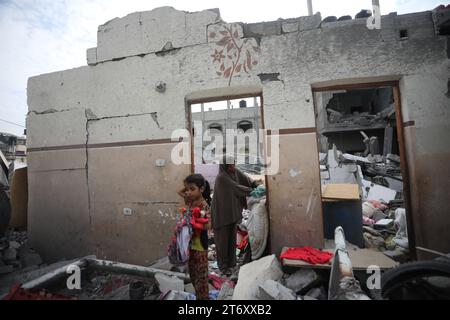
(272, 290)
(300, 279)
(27, 275)
(149, 31)
(253, 274)
(374, 191)
(166, 283)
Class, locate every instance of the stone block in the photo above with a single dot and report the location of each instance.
(254, 274)
(272, 290)
(300, 279)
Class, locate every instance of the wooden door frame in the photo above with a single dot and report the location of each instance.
(395, 85)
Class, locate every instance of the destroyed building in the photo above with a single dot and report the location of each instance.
(13, 147)
(101, 180)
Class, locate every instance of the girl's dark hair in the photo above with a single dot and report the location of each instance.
(200, 182)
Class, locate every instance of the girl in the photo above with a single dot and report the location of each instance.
(197, 196)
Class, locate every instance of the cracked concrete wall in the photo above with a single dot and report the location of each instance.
(95, 132)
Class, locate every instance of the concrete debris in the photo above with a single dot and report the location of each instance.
(383, 223)
(226, 292)
(166, 283)
(317, 293)
(350, 289)
(16, 255)
(253, 274)
(371, 241)
(300, 279)
(162, 264)
(272, 290)
(381, 187)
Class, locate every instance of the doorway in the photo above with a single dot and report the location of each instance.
(234, 126)
(363, 168)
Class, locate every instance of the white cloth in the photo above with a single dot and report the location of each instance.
(184, 239)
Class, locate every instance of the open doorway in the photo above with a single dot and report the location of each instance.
(363, 167)
(242, 119)
(234, 126)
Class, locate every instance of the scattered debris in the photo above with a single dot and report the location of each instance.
(166, 283)
(272, 290)
(317, 293)
(226, 292)
(300, 279)
(255, 273)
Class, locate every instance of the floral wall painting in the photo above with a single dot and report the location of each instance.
(233, 55)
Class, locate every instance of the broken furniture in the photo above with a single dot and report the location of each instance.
(342, 206)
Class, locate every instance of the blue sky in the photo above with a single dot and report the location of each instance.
(41, 36)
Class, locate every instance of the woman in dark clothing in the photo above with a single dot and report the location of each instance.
(230, 189)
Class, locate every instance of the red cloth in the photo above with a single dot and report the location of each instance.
(308, 254)
(217, 281)
(244, 240)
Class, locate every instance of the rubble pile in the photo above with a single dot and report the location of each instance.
(381, 192)
(364, 119)
(110, 286)
(264, 279)
(16, 255)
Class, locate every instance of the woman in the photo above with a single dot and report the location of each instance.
(230, 189)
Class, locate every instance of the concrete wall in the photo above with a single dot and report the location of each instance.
(95, 132)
